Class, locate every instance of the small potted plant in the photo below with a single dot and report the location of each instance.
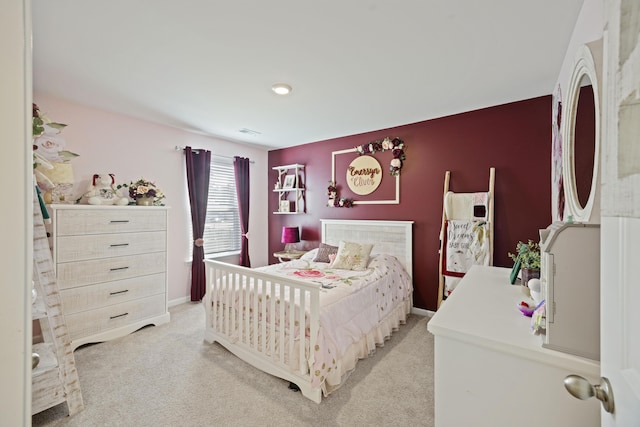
(527, 261)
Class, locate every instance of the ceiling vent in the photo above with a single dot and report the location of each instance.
(249, 131)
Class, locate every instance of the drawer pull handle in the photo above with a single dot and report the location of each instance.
(119, 315)
(119, 244)
(119, 268)
(119, 221)
(119, 292)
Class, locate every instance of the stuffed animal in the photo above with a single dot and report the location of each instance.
(103, 191)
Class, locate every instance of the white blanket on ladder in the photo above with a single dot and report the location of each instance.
(462, 206)
(467, 245)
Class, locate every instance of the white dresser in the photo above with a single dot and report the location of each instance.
(111, 267)
(491, 371)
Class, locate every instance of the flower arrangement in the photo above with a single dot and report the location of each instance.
(527, 254)
(527, 262)
(332, 190)
(342, 202)
(48, 145)
(51, 166)
(396, 145)
(334, 200)
(143, 188)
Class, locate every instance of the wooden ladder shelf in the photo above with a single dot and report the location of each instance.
(488, 214)
(54, 379)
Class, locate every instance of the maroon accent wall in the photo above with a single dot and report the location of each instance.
(514, 138)
(584, 148)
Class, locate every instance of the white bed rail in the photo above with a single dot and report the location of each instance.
(261, 318)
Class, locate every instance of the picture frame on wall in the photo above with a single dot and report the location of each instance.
(285, 206)
(289, 182)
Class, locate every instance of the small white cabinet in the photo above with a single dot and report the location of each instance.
(111, 266)
(290, 188)
(490, 370)
(570, 275)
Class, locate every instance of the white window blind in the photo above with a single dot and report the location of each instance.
(222, 230)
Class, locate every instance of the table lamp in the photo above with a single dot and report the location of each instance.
(290, 235)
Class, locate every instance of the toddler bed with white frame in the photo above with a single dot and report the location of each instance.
(256, 313)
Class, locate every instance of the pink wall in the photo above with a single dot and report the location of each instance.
(514, 138)
(132, 148)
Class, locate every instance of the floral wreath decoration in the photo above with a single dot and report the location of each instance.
(396, 145)
(334, 200)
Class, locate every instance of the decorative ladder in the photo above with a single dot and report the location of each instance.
(489, 218)
(54, 379)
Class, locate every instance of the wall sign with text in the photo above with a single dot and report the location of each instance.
(375, 181)
(364, 175)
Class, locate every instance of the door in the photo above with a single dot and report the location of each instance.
(620, 223)
(16, 168)
(620, 319)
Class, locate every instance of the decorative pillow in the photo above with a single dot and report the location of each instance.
(309, 255)
(352, 256)
(332, 258)
(324, 251)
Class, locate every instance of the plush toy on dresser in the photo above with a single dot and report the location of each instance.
(103, 191)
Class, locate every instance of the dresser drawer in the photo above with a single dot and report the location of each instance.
(86, 247)
(73, 274)
(90, 297)
(93, 322)
(71, 222)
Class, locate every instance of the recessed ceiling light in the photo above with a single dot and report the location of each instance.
(281, 88)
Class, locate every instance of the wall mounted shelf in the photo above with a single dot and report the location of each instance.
(290, 189)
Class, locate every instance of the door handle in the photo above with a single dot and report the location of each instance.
(582, 389)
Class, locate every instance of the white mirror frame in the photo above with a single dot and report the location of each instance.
(588, 63)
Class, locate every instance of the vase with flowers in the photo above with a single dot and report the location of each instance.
(145, 193)
(527, 262)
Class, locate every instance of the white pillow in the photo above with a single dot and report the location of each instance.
(352, 256)
(309, 256)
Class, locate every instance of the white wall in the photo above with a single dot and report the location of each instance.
(16, 224)
(589, 27)
(131, 148)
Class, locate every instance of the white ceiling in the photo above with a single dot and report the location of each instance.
(355, 65)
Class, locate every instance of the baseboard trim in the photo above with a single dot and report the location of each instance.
(179, 301)
(422, 312)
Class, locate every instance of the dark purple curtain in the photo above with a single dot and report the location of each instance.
(241, 169)
(198, 171)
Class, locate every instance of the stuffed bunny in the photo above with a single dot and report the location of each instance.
(103, 191)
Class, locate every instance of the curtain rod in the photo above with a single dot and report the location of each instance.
(179, 148)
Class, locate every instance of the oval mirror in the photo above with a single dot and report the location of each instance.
(585, 141)
(581, 137)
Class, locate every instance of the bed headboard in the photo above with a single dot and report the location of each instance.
(390, 237)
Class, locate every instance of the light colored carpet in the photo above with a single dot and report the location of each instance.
(169, 376)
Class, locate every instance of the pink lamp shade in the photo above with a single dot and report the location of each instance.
(290, 235)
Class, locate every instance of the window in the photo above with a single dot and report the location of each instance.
(222, 231)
